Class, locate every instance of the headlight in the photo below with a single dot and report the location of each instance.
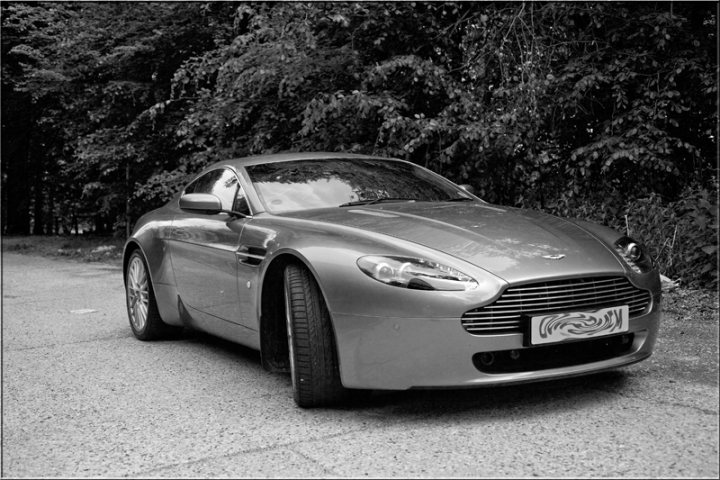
(634, 254)
(415, 273)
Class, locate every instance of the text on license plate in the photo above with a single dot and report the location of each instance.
(559, 327)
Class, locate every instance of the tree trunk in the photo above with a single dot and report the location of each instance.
(50, 217)
(38, 207)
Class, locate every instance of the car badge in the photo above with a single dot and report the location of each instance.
(559, 256)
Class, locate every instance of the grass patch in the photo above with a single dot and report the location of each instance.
(86, 248)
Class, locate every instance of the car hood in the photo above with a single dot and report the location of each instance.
(510, 243)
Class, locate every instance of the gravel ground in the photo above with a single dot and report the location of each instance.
(82, 398)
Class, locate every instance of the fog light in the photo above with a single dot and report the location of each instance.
(514, 354)
(487, 358)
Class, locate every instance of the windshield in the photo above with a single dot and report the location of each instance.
(307, 184)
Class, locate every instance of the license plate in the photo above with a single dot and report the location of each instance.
(560, 327)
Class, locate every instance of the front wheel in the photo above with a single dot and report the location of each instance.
(314, 366)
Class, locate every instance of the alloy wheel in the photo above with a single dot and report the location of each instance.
(138, 293)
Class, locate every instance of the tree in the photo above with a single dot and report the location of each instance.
(85, 82)
(576, 108)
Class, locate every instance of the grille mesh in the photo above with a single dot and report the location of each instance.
(505, 315)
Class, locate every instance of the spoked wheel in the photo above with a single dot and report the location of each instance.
(143, 314)
(314, 366)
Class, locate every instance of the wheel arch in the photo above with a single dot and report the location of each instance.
(273, 330)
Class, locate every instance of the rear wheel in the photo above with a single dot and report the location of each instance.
(143, 314)
(314, 366)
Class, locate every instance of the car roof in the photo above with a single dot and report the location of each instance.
(287, 157)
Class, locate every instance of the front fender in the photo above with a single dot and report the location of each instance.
(151, 236)
(649, 280)
(331, 254)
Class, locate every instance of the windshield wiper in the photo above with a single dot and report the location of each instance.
(378, 200)
(460, 199)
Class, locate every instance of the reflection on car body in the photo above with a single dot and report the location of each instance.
(358, 272)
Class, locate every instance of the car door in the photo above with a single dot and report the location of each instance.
(203, 252)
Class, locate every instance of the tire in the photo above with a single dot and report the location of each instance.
(142, 309)
(314, 366)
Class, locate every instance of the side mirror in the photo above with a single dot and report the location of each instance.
(204, 202)
(467, 188)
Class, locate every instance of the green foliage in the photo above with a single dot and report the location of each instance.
(577, 108)
(90, 71)
(638, 131)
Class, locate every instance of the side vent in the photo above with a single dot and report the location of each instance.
(250, 255)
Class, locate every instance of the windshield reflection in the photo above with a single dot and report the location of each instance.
(308, 184)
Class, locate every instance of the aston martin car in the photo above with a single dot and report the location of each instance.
(357, 273)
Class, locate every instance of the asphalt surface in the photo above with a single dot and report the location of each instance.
(82, 398)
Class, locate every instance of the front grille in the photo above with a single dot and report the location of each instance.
(506, 314)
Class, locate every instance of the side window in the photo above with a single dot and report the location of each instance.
(225, 188)
(204, 184)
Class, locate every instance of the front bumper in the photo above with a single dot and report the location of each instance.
(403, 353)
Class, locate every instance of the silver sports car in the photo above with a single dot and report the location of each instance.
(359, 272)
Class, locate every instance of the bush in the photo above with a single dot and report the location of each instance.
(692, 255)
(681, 235)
